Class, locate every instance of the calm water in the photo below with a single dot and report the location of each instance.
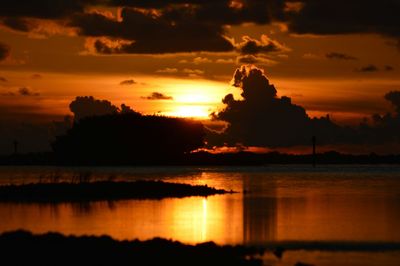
(328, 216)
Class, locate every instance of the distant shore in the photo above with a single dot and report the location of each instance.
(208, 159)
(24, 248)
(101, 190)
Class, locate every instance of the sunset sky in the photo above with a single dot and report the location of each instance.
(178, 57)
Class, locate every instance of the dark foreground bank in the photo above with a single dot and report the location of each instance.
(101, 190)
(24, 248)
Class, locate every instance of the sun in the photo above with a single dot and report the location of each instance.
(194, 100)
(194, 111)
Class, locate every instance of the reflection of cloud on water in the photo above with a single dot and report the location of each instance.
(259, 212)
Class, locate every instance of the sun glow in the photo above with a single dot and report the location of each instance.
(196, 100)
(195, 111)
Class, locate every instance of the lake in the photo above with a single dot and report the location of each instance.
(330, 215)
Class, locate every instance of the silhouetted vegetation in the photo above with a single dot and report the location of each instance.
(23, 248)
(128, 138)
(101, 190)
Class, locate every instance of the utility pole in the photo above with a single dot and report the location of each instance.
(314, 155)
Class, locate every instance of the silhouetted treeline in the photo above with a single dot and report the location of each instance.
(101, 190)
(205, 158)
(128, 138)
(23, 248)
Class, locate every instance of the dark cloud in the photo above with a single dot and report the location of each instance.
(198, 25)
(4, 51)
(266, 45)
(87, 106)
(173, 28)
(340, 56)
(369, 68)
(389, 68)
(385, 128)
(3, 79)
(158, 96)
(222, 12)
(27, 92)
(394, 98)
(161, 34)
(127, 82)
(345, 17)
(261, 118)
(16, 23)
(23, 91)
(48, 9)
(254, 11)
(217, 44)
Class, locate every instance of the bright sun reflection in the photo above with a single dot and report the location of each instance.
(204, 222)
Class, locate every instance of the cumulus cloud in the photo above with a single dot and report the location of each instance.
(340, 56)
(4, 51)
(86, 106)
(158, 96)
(261, 118)
(127, 82)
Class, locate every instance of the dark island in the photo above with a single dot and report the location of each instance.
(24, 248)
(101, 190)
(128, 138)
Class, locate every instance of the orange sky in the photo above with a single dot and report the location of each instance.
(177, 58)
(59, 68)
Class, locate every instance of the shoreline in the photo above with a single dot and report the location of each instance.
(102, 191)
